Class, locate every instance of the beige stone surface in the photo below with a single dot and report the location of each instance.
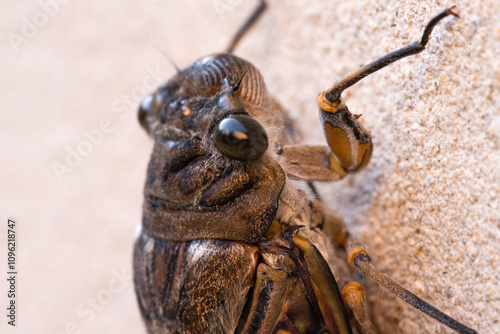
(427, 207)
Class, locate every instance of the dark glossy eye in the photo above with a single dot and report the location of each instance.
(143, 111)
(241, 137)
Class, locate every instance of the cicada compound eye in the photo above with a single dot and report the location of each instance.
(145, 107)
(241, 137)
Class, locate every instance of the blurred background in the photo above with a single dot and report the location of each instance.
(74, 157)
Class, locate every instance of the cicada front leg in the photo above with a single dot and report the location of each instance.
(349, 142)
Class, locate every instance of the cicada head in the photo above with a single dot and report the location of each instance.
(210, 161)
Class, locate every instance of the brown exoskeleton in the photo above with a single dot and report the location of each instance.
(227, 244)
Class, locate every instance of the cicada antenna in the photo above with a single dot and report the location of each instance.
(237, 85)
(332, 95)
(170, 60)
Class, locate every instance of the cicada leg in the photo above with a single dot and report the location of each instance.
(358, 259)
(353, 295)
(334, 227)
(349, 142)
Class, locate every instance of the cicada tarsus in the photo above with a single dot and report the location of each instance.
(227, 243)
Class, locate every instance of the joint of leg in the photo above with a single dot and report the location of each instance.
(326, 105)
(335, 165)
(357, 254)
(353, 294)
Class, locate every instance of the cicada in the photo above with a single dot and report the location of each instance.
(228, 244)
